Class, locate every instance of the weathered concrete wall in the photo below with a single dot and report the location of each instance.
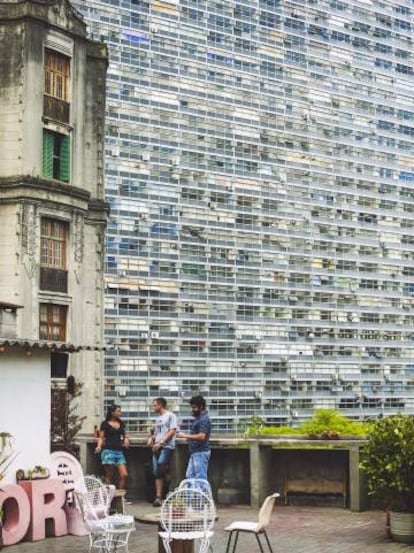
(10, 258)
(27, 28)
(25, 407)
(12, 36)
(251, 470)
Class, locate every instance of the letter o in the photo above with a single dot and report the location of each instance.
(16, 507)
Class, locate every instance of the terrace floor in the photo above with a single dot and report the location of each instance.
(293, 529)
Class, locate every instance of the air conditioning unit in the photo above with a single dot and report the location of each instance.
(155, 334)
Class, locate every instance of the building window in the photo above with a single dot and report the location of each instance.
(53, 245)
(56, 86)
(56, 156)
(52, 322)
(58, 364)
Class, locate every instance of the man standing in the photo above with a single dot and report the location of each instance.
(162, 442)
(198, 439)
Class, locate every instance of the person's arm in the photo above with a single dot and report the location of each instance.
(203, 432)
(100, 441)
(198, 437)
(151, 437)
(170, 434)
(126, 440)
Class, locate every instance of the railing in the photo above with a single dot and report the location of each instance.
(54, 280)
(56, 109)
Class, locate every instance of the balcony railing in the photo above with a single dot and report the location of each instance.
(54, 280)
(56, 109)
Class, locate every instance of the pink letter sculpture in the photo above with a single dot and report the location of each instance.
(16, 505)
(47, 501)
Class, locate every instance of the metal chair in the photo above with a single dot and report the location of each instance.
(107, 533)
(256, 528)
(187, 514)
(196, 483)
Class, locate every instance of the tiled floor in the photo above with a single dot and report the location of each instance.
(293, 529)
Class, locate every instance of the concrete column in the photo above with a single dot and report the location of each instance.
(179, 464)
(358, 496)
(83, 455)
(261, 484)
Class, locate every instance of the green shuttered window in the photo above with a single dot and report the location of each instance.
(56, 156)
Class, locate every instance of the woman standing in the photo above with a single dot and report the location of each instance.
(111, 442)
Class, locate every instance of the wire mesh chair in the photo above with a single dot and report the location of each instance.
(187, 514)
(196, 484)
(107, 533)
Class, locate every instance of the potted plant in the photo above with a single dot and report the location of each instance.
(388, 462)
(36, 473)
(178, 507)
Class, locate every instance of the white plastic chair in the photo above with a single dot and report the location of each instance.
(256, 528)
(187, 514)
(196, 484)
(107, 533)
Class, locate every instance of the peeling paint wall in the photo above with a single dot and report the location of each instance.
(27, 30)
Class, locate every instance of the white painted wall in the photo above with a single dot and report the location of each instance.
(25, 407)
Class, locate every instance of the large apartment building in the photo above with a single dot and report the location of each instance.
(261, 181)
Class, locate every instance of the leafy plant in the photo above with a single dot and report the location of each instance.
(31, 474)
(328, 423)
(7, 454)
(280, 430)
(325, 424)
(254, 426)
(388, 462)
(65, 420)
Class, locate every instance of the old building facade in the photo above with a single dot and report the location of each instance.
(52, 209)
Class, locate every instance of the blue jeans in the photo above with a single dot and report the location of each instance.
(198, 465)
(160, 462)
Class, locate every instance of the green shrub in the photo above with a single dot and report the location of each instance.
(280, 430)
(328, 420)
(388, 462)
(326, 423)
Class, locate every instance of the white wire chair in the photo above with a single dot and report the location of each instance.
(187, 514)
(196, 484)
(107, 533)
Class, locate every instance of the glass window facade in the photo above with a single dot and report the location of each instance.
(260, 175)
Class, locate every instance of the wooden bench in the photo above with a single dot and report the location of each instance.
(315, 486)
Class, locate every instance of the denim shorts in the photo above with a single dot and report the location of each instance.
(112, 457)
(161, 461)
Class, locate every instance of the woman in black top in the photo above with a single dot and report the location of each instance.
(111, 442)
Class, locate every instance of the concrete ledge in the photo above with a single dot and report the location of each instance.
(247, 470)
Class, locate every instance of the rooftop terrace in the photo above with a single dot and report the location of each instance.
(293, 529)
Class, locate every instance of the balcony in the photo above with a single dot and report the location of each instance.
(56, 109)
(53, 280)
